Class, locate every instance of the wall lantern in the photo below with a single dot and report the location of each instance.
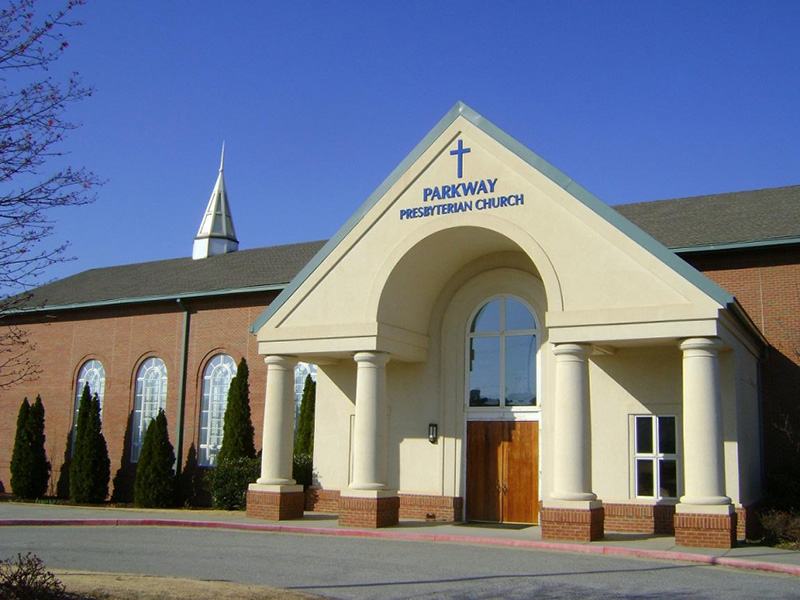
(433, 433)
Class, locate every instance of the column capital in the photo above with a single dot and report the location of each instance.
(377, 359)
(579, 350)
(285, 362)
(702, 346)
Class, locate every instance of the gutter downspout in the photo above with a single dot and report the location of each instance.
(182, 389)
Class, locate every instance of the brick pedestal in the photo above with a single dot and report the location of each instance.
(370, 512)
(698, 530)
(275, 504)
(573, 524)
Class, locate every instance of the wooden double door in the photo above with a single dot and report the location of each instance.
(503, 471)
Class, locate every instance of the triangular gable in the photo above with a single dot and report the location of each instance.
(640, 237)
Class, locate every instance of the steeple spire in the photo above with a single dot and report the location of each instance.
(216, 234)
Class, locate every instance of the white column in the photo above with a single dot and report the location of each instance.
(703, 461)
(370, 435)
(572, 477)
(278, 430)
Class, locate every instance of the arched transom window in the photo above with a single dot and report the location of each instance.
(216, 380)
(151, 396)
(94, 374)
(502, 355)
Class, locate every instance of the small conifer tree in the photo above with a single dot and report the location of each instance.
(155, 476)
(19, 455)
(302, 461)
(238, 433)
(40, 466)
(304, 443)
(90, 469)
(237, 465)
(30, 470)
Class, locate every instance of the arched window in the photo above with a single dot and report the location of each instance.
(216, 380)
(94, 374)
(151, 396)
(502, 355)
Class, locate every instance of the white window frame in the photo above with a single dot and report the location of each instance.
(150, 397)
(94, 373)
(217, 376)
(656, 456)
(476, 412)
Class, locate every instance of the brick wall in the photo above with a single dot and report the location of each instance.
(122, 337)
(766, 283)
(639, 518)
(431, 508)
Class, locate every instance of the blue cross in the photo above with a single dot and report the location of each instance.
(460, 152)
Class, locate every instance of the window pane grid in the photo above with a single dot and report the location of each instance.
(217, 377)
(151, 396)
(655, 457)
(94, 374)
(502, 355)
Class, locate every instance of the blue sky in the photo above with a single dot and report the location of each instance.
(318, 102)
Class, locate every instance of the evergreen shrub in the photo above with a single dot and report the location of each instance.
(90, 468)
(238, 435)
(303, 456)
(227, 482)
(155, 476)
(30, 469)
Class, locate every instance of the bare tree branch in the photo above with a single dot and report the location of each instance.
(33, 125)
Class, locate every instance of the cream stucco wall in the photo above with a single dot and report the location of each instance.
(407, 287)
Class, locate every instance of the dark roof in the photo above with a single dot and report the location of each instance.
(245, 270)
(700, 223)
(754, 217)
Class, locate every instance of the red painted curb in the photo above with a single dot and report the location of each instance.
(671, 555)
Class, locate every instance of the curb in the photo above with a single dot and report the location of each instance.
(736, 563)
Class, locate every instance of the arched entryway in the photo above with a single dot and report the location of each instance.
(502, 429)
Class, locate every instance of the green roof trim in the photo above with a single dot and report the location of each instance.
(667, 256)
(737, 245)
(146, 299)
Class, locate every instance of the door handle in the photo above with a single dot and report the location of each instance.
(505, 488)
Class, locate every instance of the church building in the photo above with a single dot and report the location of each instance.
(491, 343)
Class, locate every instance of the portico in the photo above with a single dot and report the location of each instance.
(579, 375)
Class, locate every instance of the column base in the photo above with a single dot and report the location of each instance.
(369, 509)
(573, 524)
(275, 502)
(715, 529)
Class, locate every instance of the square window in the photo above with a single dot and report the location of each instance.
(655, 447)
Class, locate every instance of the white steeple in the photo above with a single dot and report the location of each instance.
(216, 234)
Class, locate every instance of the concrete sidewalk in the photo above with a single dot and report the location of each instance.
(632, 545)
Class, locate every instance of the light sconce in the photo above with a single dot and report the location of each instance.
(433, 433)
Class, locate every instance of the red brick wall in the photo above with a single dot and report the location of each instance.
(121, 338)
(582, 525)
(639, 518)
(766, 283)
